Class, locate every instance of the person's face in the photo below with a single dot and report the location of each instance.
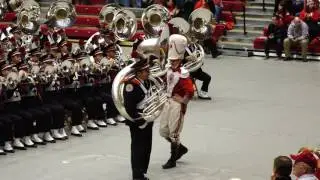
(16, 59)
(64, 49)
(6, 71)
(297, 22)
(98, 57)
(17, 35)
(34, 58)
(144, 74)
(299, 169)
(175, 63)
(111, 54)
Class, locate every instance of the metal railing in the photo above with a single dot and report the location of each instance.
(244, 18)
(263, 5)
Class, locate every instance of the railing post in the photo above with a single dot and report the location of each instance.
(263, 5)
(244, 19)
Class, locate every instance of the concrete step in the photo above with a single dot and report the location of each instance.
(256, 21)
(260, 14)
(250, 33)
(238, 38)
(235, 45)
(267, 4)
(255, 27)
(251, 8)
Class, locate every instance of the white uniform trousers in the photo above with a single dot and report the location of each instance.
(171, 121)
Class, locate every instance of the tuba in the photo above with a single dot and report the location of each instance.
(107, 13)
(154, 18)
(152, 106)
(15, 5)
(61, 14)
(3, 8)
(124, 24)
(28, 18)
(200, 20)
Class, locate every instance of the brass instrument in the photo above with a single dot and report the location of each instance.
(124, 24)
(3, 8)
(154, 18)
(12, 80)
(154, 103)
(85, 65)
(62, 14)
(28, 18)
(108, 12)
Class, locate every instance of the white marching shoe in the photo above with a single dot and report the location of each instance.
(48, 138)
(56, 134)
(62, 131)
(120, 118)
(8, 147)
(36, 139)
(28, 142)
(2, 152)
(75, 131)
(204, 95)
(17, 144)
(111, 121)
(101, 123)
(92, 125)
(81, 128)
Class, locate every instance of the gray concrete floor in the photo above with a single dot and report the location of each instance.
(261, 109)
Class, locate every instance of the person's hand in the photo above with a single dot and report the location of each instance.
(178, 98)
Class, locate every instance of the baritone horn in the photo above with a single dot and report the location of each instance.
(28, 18)
(61, 14)
(3, 8)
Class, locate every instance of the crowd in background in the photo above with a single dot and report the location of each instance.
(178, 8)
(294, 23)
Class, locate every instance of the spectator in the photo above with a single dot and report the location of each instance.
(310, 15)
(284, 14)
(218, 9)
(297, 34)
(275, 35)
(282, 167)
(285, 4)
(297, 6)
(305, 164)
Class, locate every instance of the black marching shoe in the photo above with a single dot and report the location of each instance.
(171, 163)
(182, 150)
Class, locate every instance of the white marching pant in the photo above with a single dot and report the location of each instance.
(171, 121)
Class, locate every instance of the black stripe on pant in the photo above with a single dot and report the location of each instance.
(112, 111)
(92, 103)
(73, 103)
(6, 129)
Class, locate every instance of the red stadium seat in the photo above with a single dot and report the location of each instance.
(80, 32)
(88, 21)
(227, 16)
(88, 9)
(97, 1)
(233, 5)
(9, 17)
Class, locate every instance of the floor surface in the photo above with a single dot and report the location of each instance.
(261, 109)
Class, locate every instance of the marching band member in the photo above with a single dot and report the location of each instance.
(51, 95)
(99, 88)
(135, 91)
(6, 123)
(112, 112)
(91, 101)
(70, 99)
(23, 128)
(180, 91)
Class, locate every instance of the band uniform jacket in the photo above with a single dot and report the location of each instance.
(135, 93)
(180, 83)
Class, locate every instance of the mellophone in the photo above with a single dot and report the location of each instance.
(157, 24)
